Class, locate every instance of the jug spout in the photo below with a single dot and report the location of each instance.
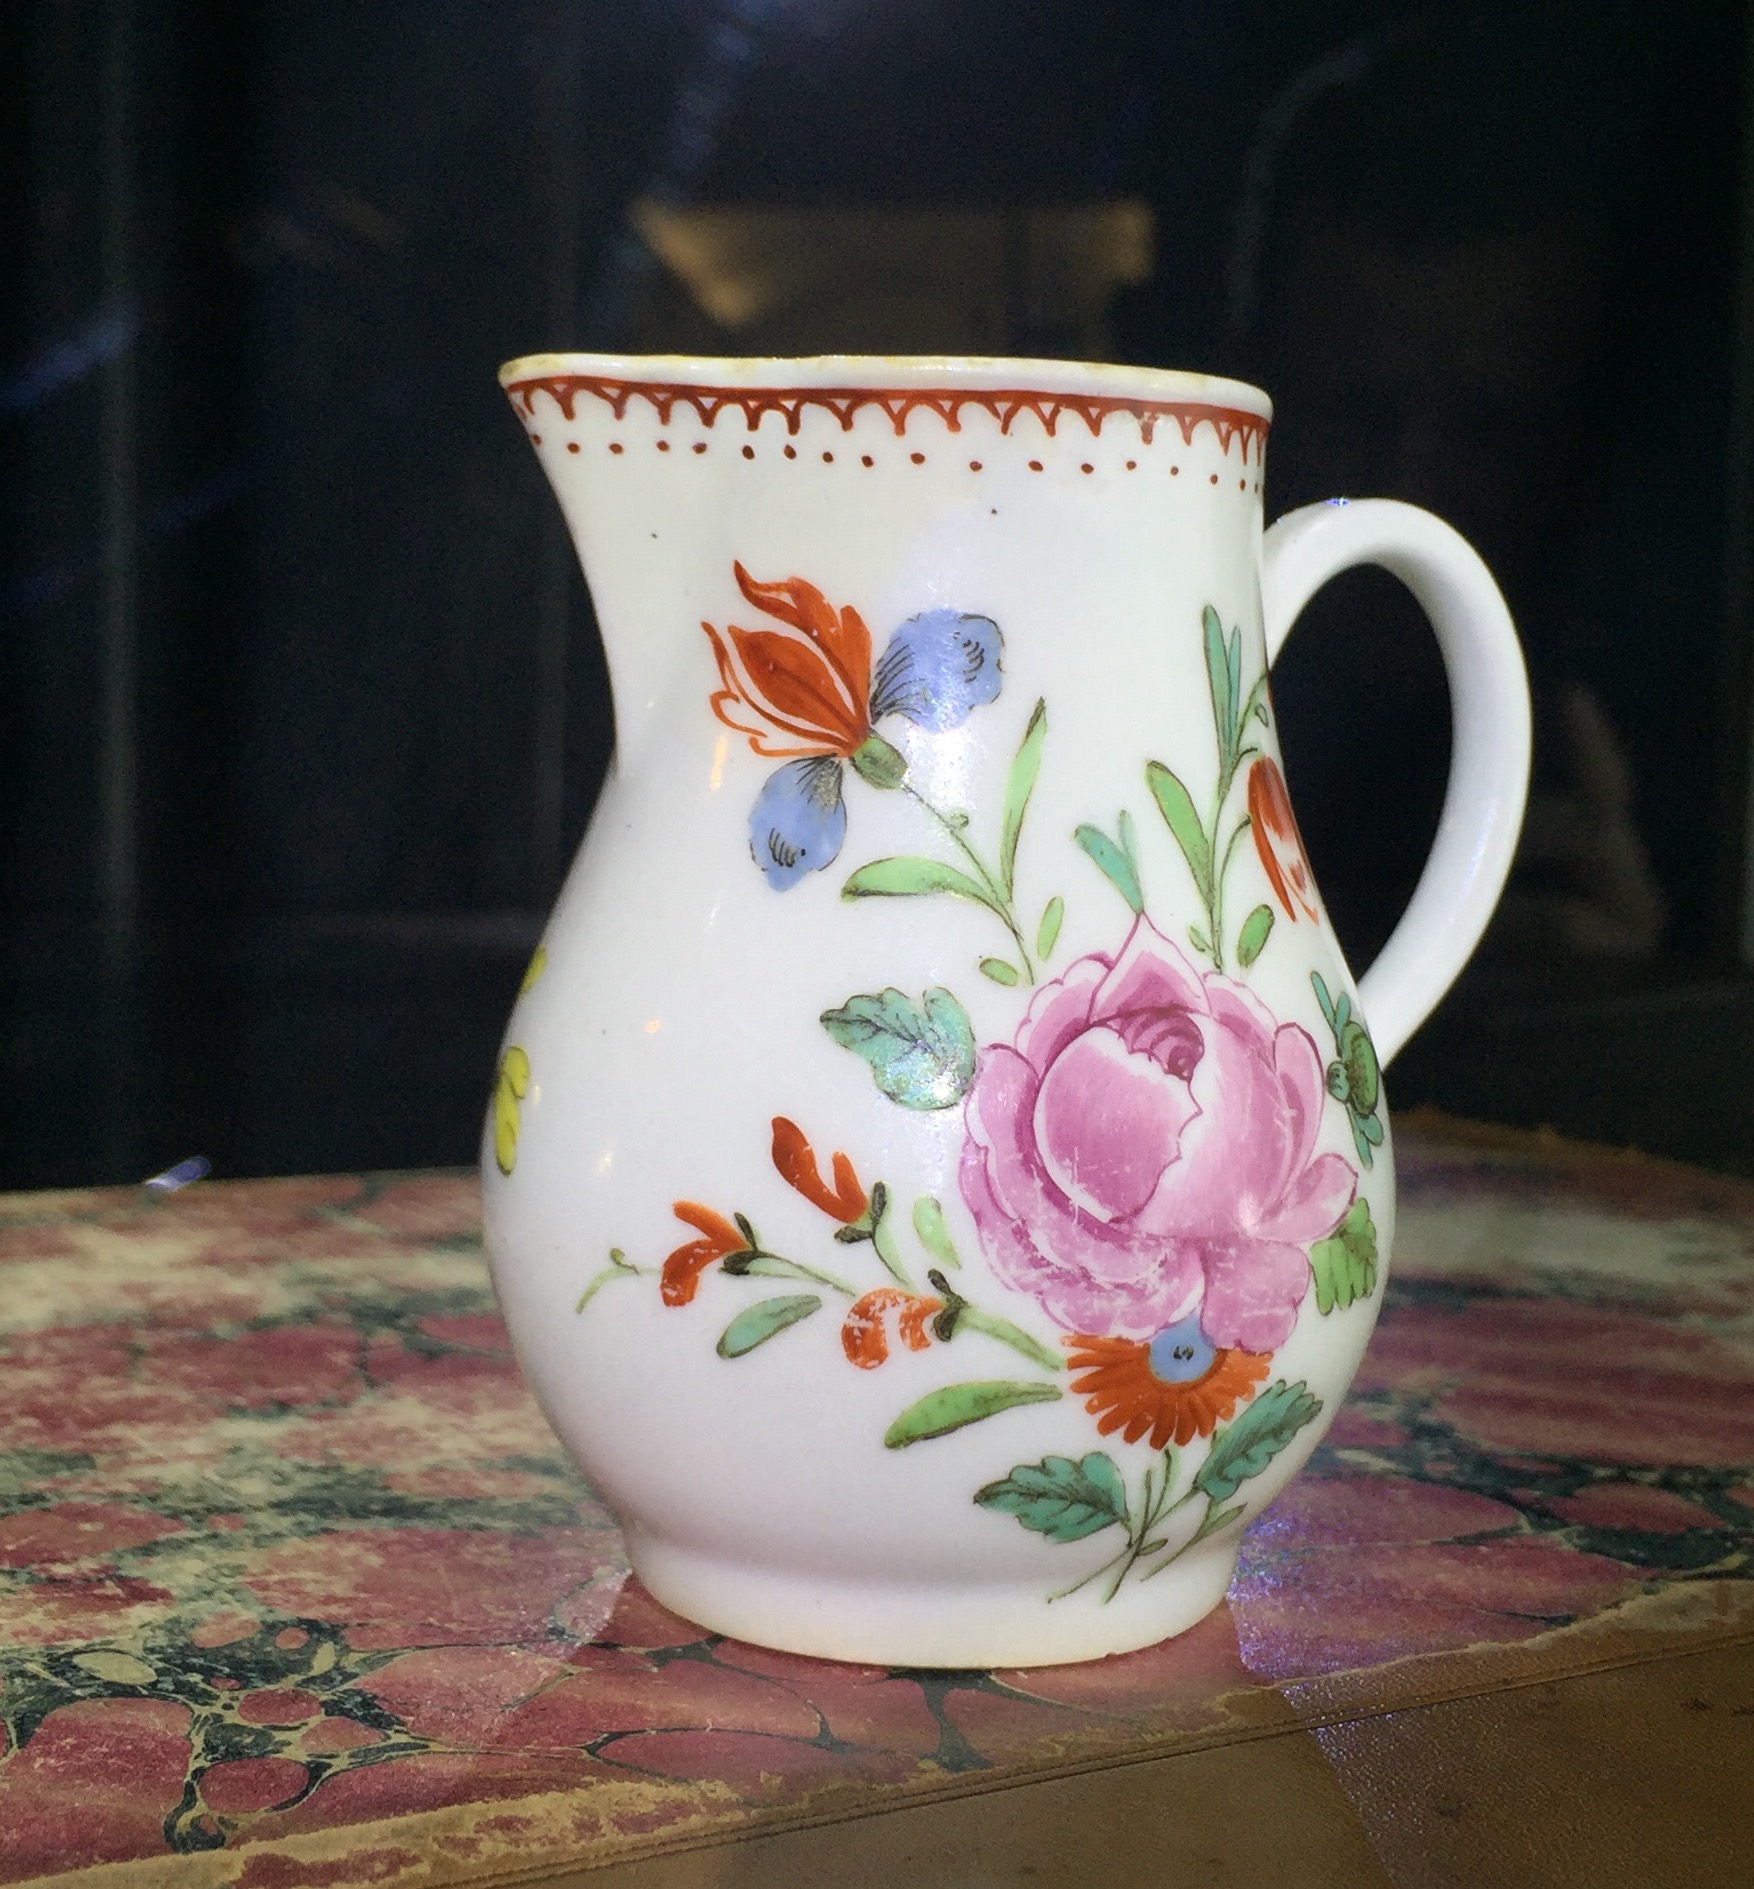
(608, 456)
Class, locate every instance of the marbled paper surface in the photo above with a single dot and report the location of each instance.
(296, 1587)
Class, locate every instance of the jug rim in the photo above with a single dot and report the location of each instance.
(864, 373)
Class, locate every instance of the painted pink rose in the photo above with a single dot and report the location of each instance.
(1145, 1153)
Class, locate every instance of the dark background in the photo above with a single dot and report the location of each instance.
(302, 713)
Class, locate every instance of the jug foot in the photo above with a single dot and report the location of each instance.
(935, 1624)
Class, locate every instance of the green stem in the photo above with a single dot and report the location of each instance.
(973, 1318)
(1152, 1510)
(1242, 826)
(1000, 904)
(1156, 1512)
(1066, 1593)
(619, 1270)
(1214, 892)
(1230, 756)
(1199, 1534)
(1248, 707)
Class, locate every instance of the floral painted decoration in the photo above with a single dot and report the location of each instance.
(1354, 1076)
(1278, 842)
(862, 1216)
(719, 1238)
(1141, 1159)
(1145, 1153)
(1175, 1387)
(510, 1087)
(807, 693)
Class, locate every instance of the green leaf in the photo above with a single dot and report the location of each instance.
(1177, 807)
(1047, 933)
(972, 1318)
(1215, 1519)
(1218, 680)
(941, 1411)
(1129, 838)
(1252, 939)
(1344, 1264)
(1019, 785)
(1059, 1498)
(618, 1268)
(761, 1266)
(999, 971)
(921, 1055)
(883, 1237)
(1363, 1072)
(1322, 998)
(1198, 939)
(759, 1323)
(1255, 1438)
(1113, 862)
(909, 877)
(933, 1234)
(1233, 672)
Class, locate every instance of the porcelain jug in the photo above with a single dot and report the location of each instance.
(938, 1180)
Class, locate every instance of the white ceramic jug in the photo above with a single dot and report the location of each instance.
(938, 1180)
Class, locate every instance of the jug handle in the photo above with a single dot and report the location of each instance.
(1489, 754)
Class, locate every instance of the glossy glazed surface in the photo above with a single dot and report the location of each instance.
(937, 1180)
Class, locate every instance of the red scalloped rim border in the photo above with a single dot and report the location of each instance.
(898, 403)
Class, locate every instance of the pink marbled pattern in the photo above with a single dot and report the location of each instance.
(286, 1550)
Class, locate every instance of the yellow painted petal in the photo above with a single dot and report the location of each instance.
(538, 964)
(505, 1127)
(514, 1081)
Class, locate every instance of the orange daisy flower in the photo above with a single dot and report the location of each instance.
(846, 1201)
(680, 1277)
(862, 1334)
(1124, 1386)
(1277, 839)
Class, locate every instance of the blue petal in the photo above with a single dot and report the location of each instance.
(937, 667)
(799, 821)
